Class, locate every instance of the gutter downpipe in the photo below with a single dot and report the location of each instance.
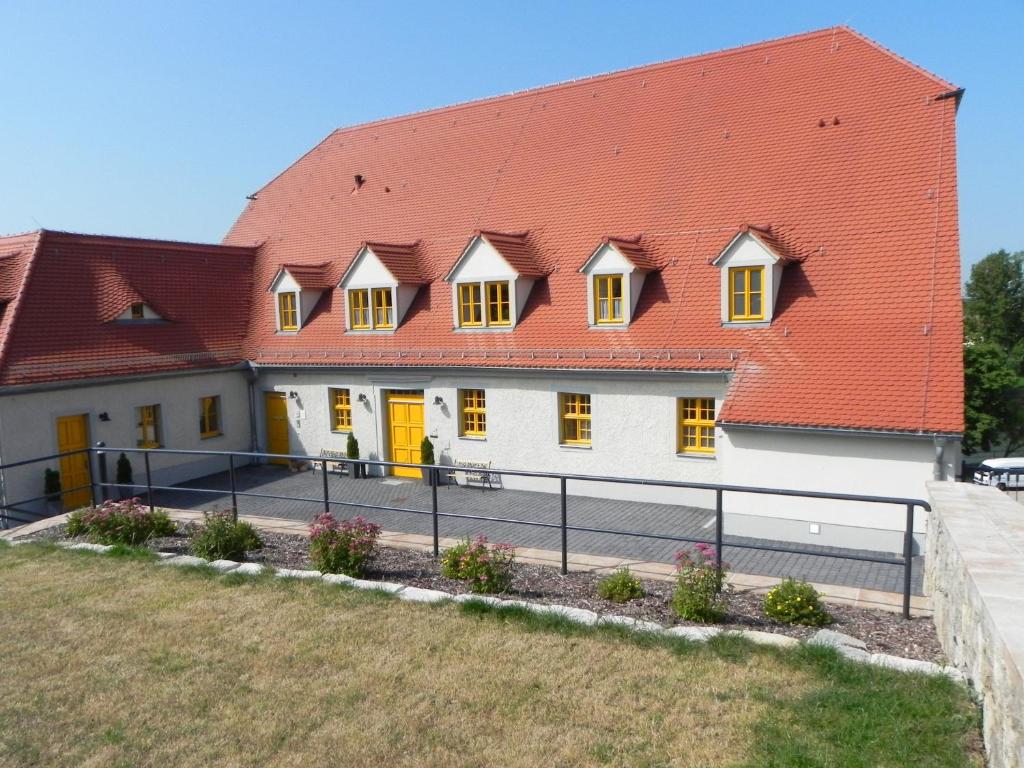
(253, 375)
(940, 465)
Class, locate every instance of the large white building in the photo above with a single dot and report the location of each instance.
(735, 268)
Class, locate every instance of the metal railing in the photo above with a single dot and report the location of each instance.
(99, 483)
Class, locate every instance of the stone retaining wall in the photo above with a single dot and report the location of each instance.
(975, 577)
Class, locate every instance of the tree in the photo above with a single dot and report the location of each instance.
(994, 354)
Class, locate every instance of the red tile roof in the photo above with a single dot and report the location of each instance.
(838, 144)
(71, 285)
(843, 147)
(310, 277)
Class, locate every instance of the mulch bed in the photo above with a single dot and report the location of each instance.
(881, 631)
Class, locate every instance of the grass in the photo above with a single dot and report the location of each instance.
(120, 662)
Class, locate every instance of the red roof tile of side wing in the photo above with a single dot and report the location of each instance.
(844, 149)
(201, 292)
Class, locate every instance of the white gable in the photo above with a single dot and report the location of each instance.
(284, 283)
(368, 271)
(481, 261)
(607, 260)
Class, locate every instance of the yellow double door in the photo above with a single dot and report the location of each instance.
(73, 435)
(405, 430)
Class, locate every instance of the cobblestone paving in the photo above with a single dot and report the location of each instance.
(349, 496)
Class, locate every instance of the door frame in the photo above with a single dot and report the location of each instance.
(268, 395)
(413, 396)
(86, 493)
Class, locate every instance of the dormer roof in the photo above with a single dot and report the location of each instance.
(400, 259)
(513, 247)
(310, 277)
(767, 238)
(630, 249)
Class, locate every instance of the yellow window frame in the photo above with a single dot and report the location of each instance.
(745, 292)
(149, 426)
(574, 418)
(470, 306)
(473, 405)
(605, 296)
(499, 307)
(696, 425)
(341, 410)
(288, 311)
(209, 416)
(359, 309)
(383, 308)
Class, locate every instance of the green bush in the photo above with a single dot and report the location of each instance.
(342, 547)
(796, 602)
(221, 537)
(487, 567)
(120, 522)
(701, 593)
(620, 587)
(426, 451)
(352, 446)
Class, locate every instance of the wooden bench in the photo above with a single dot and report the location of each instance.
(337, 461)
(472, 472)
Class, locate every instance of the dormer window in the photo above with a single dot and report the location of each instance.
(359, 309)
(498, 306)
(287, 312)
(491, 281)
(751, 266)
(616, 271)
(297, 288)
(746, 293)
(380, 285)
(382, 308)
(135, 312)
(138, 311)
(608, 299)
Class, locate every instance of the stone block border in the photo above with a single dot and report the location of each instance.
(848, 647)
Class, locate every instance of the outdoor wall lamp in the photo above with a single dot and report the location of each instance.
(293, 395)
(438, 400)
(362, 397)
(104, 416)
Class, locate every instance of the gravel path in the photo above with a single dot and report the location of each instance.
(881, 631)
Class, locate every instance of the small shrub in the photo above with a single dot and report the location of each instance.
(352, 446)
(124, 471)
(620, 587)
(221, 537)
(487, 567)
(796, 602)
(120, 522)
(51, 484)
(701, 593)
(342, 547)
(426, 451)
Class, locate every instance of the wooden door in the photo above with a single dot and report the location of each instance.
(277, 425)
(405, 422)
(73, 435)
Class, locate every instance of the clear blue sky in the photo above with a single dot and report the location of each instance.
(156, 119)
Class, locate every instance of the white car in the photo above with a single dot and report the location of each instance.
(1002, 473)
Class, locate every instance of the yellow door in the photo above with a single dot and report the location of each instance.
(277, 425)
(73, 435)
(405, 418)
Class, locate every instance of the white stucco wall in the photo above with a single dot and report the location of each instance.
(28, 425)
(634, 435)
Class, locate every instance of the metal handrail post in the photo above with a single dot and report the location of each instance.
(565, 527)
(908, 559)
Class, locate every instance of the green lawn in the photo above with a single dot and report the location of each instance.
(115, 661)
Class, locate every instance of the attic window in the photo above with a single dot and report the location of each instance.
(138, 311)
(751, 267)
(380, 284)
(615, 272)
(287, 312)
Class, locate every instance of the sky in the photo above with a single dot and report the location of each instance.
(157, 119)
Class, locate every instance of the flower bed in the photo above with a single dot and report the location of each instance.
(881, 631)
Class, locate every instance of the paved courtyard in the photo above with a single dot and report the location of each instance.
(349, 497)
